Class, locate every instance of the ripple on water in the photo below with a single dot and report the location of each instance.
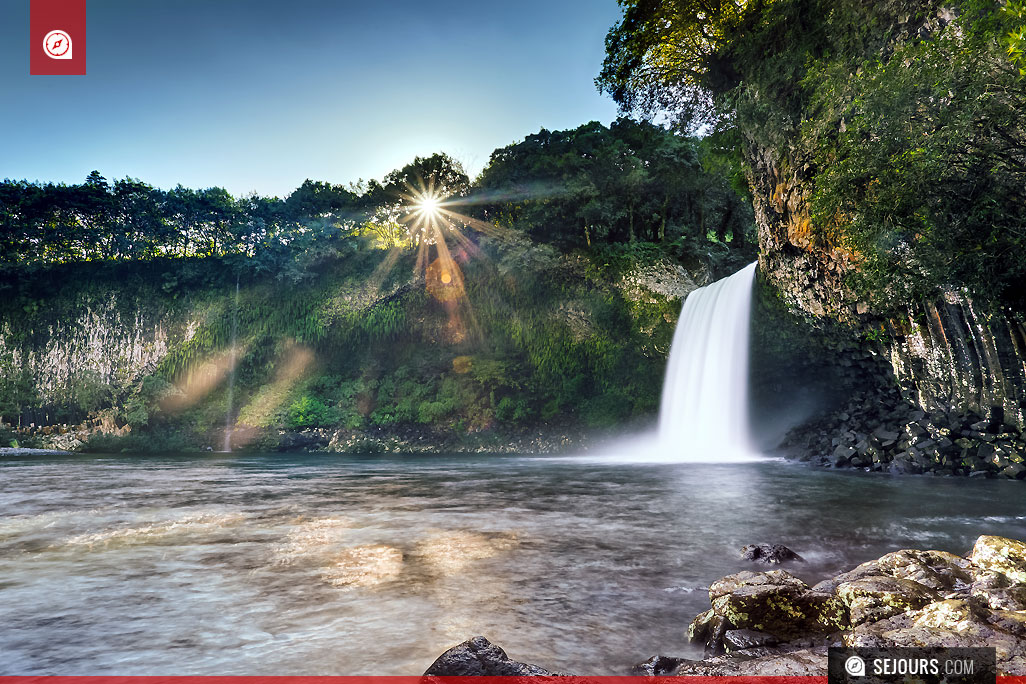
(159, 532)
(363, 566)
(20, 525)
(312, 538)
(376, 565)
(449, 553)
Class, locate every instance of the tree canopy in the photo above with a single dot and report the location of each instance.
(590, 185)
(633, 181)
(907, 117)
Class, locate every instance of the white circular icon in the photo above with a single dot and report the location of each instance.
(57, 45)
(855, 666)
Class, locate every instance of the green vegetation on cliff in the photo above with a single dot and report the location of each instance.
(904, 122)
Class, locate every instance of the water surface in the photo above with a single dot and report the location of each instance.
(327, 565)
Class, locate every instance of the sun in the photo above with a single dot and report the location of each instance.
(429, 205)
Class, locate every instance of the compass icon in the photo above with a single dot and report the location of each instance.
(57, 45)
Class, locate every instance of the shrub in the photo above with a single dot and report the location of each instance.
(307, 412)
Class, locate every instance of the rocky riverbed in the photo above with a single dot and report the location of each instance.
(773, 624)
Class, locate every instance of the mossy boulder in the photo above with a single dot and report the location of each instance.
(801, 663)
(938, 570)
(1001, 555)
(951, 623)
(998, 592)
(777, 603)
(776, 578)
(876, 598)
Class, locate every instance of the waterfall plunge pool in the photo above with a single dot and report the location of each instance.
(327, 565)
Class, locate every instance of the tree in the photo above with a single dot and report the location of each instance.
(439, 175)
(672, 57)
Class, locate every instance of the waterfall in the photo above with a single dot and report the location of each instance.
(704, 410)
(231, 371)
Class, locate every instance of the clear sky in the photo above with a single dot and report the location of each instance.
(260, 94)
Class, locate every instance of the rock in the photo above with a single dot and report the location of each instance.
(802, 663)
(479, 657)
(843, 453)
(730, 583)
(938, 570)
(769, 554)
(778, 603)
(1009, 598)
(997, 591)
(657, 666)
(876, 598)
(1015, 471)
(294, 441)
(1004, 556)
(743, 639)
(951, 623)
(772, 623)
(1013, 622)
(885, 435)
(709, 628)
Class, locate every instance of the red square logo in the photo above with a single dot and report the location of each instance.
(57, 38)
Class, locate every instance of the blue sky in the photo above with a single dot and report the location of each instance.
(254, 95)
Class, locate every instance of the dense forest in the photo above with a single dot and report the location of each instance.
(357, 310)
(903, 121)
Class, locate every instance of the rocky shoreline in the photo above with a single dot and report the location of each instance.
(425, 441)
(774, 624)
(899, 437)
(22, 451)
(62, 439)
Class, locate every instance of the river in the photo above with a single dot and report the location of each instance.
(329, 565)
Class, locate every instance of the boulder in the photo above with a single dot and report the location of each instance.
(1004, 556)
(744, 639)
(769, 554)
(938, 570)
(777, 603)
(657, 666)
(479, 657)
(879, 597)
(708, 628)
(950, 623)
(801, 663)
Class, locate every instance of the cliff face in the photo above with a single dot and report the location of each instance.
(962, 364)
(948, 355)
(951, 354)
(361, 347)
(108, 340)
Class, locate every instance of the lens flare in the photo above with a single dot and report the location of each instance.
(429, 205)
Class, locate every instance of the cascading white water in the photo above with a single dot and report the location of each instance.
(704, 410)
